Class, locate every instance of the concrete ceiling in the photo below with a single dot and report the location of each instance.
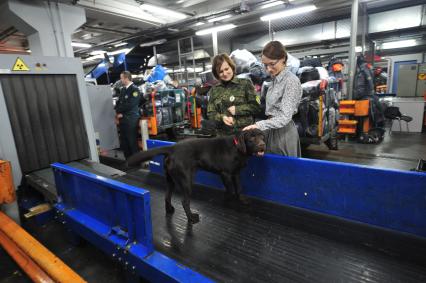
(112, 21)
(245, 14)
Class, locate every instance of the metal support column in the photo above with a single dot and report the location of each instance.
(364, 28)
(193, 58)
(352, 54)
(186, 56)
(185, 67)
(214, 39)
(154, 50)
(271, 33)
(179, 74)
(373, 53)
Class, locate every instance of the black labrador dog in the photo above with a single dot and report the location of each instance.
(225, 156)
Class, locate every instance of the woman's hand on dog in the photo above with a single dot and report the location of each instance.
(251, 127)
(229, 121)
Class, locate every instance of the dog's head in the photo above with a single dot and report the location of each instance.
(251, 142)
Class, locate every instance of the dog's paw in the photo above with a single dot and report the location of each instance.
(170, 209)
(195, 218)
(243, 200)
(228, 200)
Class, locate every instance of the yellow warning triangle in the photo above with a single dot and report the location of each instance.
(20, 65)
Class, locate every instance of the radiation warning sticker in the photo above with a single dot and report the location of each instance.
(422, 77)
(20, 65)
(135, 94)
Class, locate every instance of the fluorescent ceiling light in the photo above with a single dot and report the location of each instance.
(284, 41)
(358, 49)
(97, 52)
(398, 44)
(87, 36)
(199, 24)
(80, 44)
(156, 10)
(182, 70)
(120, 44)
(125, 50)
(91, 58)
(289, 13)
(215, 29)
(180, 1)
(152, 43)
(219, 18)
(272, 4)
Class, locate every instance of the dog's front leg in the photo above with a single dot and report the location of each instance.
(237, 186)
(229, 186)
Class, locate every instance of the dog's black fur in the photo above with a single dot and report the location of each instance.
(225, 156)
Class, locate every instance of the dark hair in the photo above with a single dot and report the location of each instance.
(127, 75)
(275, 50)
(218, 61)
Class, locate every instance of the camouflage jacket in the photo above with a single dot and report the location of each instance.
(239, 93)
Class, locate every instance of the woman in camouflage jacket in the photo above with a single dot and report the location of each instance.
(232, 102)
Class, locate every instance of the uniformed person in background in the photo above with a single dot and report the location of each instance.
(127, 109)
(233, 102)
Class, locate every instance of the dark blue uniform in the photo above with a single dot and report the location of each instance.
(128, 105)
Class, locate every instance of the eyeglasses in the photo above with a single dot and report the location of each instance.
(270, 64)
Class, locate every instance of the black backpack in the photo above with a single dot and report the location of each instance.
(311, 62)
(392, 112)
(374, 136)
(309, 75)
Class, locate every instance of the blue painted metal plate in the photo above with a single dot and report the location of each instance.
(108, 202)
(390, 199)
(116, 218)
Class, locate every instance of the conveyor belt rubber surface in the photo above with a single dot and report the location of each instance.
(256, 245)
(264, 243)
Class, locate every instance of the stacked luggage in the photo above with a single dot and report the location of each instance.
(317, 115)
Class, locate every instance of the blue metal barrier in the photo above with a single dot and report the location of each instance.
(116, 218)
(390, 199)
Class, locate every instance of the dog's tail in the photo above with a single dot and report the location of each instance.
(142, 156)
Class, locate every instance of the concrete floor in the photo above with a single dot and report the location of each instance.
(397, 151)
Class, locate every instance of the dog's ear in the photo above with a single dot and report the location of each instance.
(241, 142)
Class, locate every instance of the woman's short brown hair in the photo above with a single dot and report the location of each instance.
(218, 61)
(275, 50)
